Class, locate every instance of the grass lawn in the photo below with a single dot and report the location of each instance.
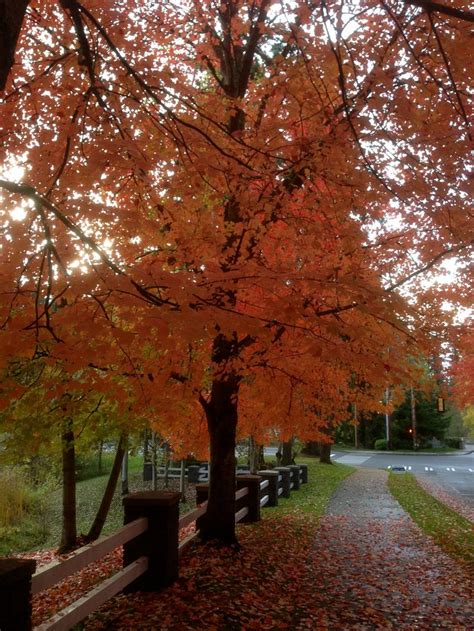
(452, 532)
(313, 497)
(43, 529)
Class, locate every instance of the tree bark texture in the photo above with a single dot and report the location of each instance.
(221, 413)
(69, 531)
(103, 511)
(287, 453)
(325, 453)
(256, 456)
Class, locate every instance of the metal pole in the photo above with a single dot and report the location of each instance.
(356, 428)
(387, 417)
(413, 417)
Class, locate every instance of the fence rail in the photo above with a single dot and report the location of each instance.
(240, 514)
(58, 570)
(151, 549)
(89, 603)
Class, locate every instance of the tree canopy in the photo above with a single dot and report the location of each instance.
(241, 199)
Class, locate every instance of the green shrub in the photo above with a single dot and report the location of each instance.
(380, 444)
(16, 497)
(454, 443)
(24, 508)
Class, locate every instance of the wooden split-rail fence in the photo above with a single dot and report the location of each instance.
(151, 549)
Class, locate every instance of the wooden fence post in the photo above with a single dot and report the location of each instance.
(304, 473)
(15, 594)
(193, 473)
(286, 480)
(159, 543)
(252, 500)
(202, 495)
(295, 476)
(272, 488)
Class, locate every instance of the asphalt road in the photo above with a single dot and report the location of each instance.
(455, 472)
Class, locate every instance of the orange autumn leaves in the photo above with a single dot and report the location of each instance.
(134, 156)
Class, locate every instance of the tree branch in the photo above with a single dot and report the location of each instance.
(430, 7)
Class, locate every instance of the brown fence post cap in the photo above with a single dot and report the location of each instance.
(152, 498)
(13, 570)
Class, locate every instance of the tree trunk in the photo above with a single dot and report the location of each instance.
(167, 466)
(221, 413)
(146, 447)
(154, 448)
(101, 516)
(101, 450)
(256, 456)
(69, 532)
(325, 453)
(12, 13)
(124, 489)
(182, 480)
(287, 455)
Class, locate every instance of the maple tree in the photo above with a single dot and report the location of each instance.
(224, 203)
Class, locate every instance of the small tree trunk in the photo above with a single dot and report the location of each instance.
(182, 481)
(69, 532)
(154, 447)
(325, 453)
(287, 455)
(101, 516)
(101, 449)
(253, 455)
(167, 466)
(221, 412)
(124, 461)
(146, 446)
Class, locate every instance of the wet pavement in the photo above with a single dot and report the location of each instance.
(379, 570)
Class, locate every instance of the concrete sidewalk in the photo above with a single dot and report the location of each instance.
(374, 569)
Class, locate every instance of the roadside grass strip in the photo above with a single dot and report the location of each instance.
(451, 531)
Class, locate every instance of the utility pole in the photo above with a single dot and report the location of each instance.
(413, 417)
(356, 428)
(388, 436)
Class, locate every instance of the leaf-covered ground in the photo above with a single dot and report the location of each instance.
(456, 503)
(450, 530)
(364, 565)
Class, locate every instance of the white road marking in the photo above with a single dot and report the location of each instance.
(471, 470)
